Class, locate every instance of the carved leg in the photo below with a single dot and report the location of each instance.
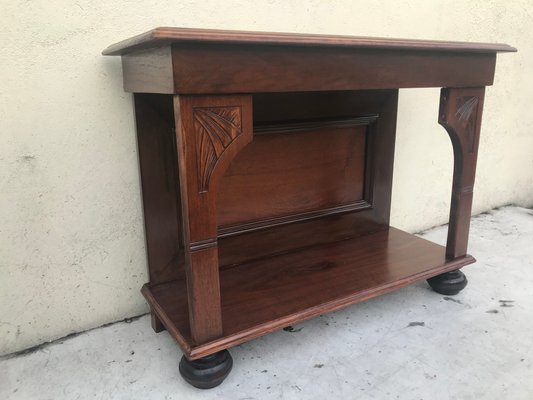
(460, 114)
(210, 131)
(207, 372)
(449, 283)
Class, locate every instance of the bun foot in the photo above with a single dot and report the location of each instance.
(207, 372)
(449, 283)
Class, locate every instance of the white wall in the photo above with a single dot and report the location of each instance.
(71, 235)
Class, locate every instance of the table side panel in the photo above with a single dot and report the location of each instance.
(160, 186)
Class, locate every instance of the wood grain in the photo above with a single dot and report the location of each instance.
(164, 35)
(212, 68)
(269, 294)
(210, 130)
(280, 239)
(216, 128)
(174, 60)
(267, 163)
(372, 213)
(297, 171)
(154, 117)
(460, 114)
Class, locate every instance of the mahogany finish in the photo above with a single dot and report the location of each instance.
(167, 35)
(266, 163)
(233, 69)
(210, 131)
(161, 201)
(460, 114)
(279, 174)
(268, 294)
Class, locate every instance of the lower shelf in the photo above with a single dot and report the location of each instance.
(266, 295)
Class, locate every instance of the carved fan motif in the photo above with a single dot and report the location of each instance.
(466, 114)
(216, 128)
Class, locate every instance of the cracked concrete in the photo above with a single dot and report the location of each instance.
(476, 345)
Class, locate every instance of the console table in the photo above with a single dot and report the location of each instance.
(266, 162)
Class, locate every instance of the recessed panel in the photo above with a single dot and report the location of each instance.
(285, 172)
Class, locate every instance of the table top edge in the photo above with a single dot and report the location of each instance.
(165, 35)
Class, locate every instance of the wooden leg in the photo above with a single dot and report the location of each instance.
(207, 372)
(210, 131)
(460, 114)
(157, 325)
(203, 287)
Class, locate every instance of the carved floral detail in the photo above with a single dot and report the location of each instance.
(465, 107)
(216, 128)
(466, 114)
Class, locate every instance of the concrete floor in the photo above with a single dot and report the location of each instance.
(410, 344)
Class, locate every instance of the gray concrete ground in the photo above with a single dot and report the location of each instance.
(410, 344)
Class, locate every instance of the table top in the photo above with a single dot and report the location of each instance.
(164, 35)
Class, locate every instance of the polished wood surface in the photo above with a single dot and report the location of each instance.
(154, 117)
(269, 294)
(188, 61)
(460, 114)
(190, 68)
(208, 68)
(210, 131)
(267, 162)
(164, 35)
(279, 173)
(283, 238)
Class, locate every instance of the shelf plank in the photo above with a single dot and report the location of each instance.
(266, 295)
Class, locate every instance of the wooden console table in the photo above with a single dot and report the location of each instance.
(266, 163)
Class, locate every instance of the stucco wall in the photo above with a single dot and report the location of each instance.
(71, 234)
